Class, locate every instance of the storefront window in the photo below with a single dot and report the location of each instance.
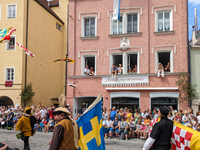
(164, 101)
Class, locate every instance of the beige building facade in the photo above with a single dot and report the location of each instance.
(45, 39)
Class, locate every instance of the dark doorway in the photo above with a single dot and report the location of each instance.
(6, 101)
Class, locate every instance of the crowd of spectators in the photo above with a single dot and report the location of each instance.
(126, 124)
(10, 115)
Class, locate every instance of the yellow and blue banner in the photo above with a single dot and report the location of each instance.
(91, 129)
(5, 34)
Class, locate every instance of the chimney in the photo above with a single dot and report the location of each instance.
(195, 20)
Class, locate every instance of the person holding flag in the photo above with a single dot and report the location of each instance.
(161, 134)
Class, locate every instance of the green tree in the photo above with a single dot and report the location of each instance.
(27, 95)
(188, 91)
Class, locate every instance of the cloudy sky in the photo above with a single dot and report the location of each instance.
(191, 6)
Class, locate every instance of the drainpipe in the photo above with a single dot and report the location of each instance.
(26, 45)
(188, 53)
(67, 50)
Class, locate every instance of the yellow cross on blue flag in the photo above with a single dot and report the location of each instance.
(90, 128)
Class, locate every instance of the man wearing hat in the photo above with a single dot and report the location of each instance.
(25, 125)
(161, 133)
(65, 136)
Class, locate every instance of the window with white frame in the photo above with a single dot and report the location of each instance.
(11, 44)
(164, 21)
(12, 11)
(10, 74)
(132, 23)
(89, 62)
(117, 26)
(127, 23)
(89, 27)
(165, 57)
(128, 60)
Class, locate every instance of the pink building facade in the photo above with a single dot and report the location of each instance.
(148, 32)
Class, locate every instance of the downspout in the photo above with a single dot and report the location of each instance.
(26, 45)
(67, 50)
(148, 53)
(188, 52)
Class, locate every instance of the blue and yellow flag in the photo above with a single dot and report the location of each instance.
(91, 129)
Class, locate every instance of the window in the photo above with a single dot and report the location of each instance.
(11, 11)
(164, 21)
(117, 26)
(9, 74)
(117, 59)
(11, 44)
(165, 57)
(132, 23)
(58, 27)
(132, 63)
(127, 23)
(90, 61)
(89, 27)
(129, 61)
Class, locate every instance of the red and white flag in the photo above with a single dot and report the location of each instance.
(183, 137)
(26, 50)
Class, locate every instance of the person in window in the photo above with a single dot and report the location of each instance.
(120, 69)
(87, 70)
(130, 70)
(113, 71)
(91, 71)
(167, 67)
(135, 69)
(160, 70)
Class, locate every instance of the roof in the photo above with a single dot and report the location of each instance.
(44, 4)
(54, 3)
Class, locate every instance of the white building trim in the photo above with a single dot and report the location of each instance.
(79, 56)
(126, 9)
(141, 49)
(164, 94)
(153, 88)
(164, 6)
(164, 47)
(89, 13)
(125, 94)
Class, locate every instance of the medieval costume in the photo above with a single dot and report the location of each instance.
(25, 125)
(161, 134)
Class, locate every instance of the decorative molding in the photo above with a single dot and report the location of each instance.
(164, 32)
(164, 47)
(79, 56)
(125, 94)
(89, 38)
(164, 6)
(125, 34)
(155, 88)
(126, 9)
(141, 49)
(89, 13)
(164, 94)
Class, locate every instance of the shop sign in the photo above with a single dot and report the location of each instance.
(121, 80)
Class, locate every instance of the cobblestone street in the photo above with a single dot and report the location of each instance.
(40, 141)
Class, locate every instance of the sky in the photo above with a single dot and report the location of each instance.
(192, 4)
